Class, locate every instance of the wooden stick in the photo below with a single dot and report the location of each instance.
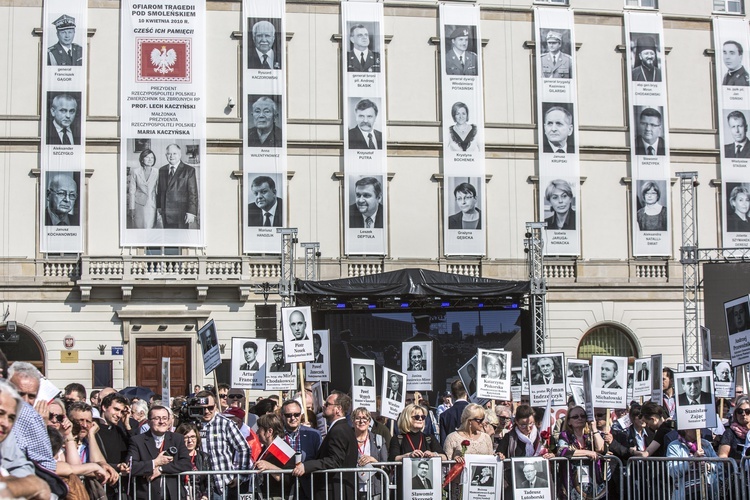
(301, 368)
(247, 403)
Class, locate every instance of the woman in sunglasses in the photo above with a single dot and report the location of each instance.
(371, 448)
(734, 439)
(412, 442)
(583, 442)
(471, 430)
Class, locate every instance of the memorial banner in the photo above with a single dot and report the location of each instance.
(649, 134)
(63, 137)
(417, 358)
(319, 369)
(280, 375)
(547, 379)
(724, 386)
(463, 130)
(365, 145)
(363, 384)
(484, 481)
(609, 381)
(392, 395)
(264, 158)
(732, 48)
(494, 378)
(163, 124)
(695, 400)
(642, 378)
(557, 102)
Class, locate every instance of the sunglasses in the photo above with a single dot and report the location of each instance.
(208, 408)
(478, 420)
(223, 396)
(578, 416)
(56, 417)
(743, 411)
(235, 396)
(418, 417)
(292, 415)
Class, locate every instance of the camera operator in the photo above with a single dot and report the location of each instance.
(223, 442)
(155, 452)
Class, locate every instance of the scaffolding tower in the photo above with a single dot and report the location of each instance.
(534, 246)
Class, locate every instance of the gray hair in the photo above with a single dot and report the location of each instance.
(24, 369)
(7, 388)
(140, 406)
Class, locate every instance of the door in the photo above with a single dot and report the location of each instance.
(148, 354)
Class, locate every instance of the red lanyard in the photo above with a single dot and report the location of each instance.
(421, 440)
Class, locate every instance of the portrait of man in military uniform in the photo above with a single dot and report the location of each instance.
(459, 59)
(555, 62)
(736, 74)
(65, 52)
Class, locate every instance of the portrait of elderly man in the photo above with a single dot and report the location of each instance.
(62, 126)
(177, 193)
(646, 63)
(694, 393)
(360, 59)
(736, 75)
(65, 52)
(62, 193)
(367, 209)
(265, 207)
(364, 135)
(261, 53)
(722, 372)
(649, 141)
(737, 128)
(264, 133)
(558, 131)
(459, 60)
(555, 62)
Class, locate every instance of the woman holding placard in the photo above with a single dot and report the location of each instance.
(580, 441)
(733, 440)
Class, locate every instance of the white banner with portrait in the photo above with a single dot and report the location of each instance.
(723, 378)
(649, 134)
(484, 477)
(695, 400)
(280, 375)
(463, 130)
(732, 48)
(393, 394)
(417, 358)
(163, 124)
(494, 377)
(248, 363)
(264, 158)
(63, 137)
(363, 384)
(737, 314)
(365, 149)
(547, 379)
(319, 369)
(609, 384)
(559, 167)
(642, 374)
(296, 330)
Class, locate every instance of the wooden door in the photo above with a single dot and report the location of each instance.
(148, 354)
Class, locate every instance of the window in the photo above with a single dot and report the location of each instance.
(645, 4)
(163, 251)
(729, 6)
(607, 340)
(101, 374)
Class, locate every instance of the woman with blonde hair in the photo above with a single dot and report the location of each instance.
(412, 442)
(469, 438)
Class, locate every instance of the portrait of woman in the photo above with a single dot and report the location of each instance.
(559, 196)
(142, 184)
(739, 201)
(652, 216)
(470, 217)
(462, 136)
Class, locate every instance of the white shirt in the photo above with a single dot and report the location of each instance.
(269, 57)
(364, 218)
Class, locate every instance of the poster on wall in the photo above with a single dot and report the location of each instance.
(163, 124)
(63, 137)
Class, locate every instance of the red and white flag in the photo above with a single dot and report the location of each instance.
(280, 450)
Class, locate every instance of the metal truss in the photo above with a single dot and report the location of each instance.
(312, 252)
(533, 246)
(688, 258)
(286, 283)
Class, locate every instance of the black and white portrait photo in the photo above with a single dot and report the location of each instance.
(738, 207)
(63, 119)
(545, 370)
(276, 361)
(62, 195)
(461, 50)
(722, 371)
(250, 355)
(560, 205)
(652, 211)
(694, 390)
(642, 370)
(264, 123)
(555, 53)
(365, 133)
(465, 206)
(530, 474)
(732, 55)
(65, 52)
(296, 325)
(265, 207)
(738, 317)
(363, 52)
(649, 140)
(482, 475)
(263, 48)
(558, 128)
(493, 365)
(394, 386)
(366, 202)
(646, 57)
(422, 475)
(468, 375)
(735, 128)
(364, 377)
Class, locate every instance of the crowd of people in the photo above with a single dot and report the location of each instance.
(102, 444)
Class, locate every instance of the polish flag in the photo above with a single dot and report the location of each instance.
(280, 450)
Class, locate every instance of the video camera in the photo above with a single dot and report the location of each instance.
(192, 410)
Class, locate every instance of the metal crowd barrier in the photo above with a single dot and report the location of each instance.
(672, 478)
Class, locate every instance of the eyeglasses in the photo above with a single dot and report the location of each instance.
(579, 416)
(362, 419)
(418, 417)
(235, 396)
(292, 415)
(478, 420)
(208, 408)
(191, 438)
(743, 411)
(223, 396)
(160, 419)
(56, 417)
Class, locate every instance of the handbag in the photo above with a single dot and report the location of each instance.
(76, 489)
(56, 484)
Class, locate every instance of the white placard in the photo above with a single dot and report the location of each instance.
(657, 390)
(737, 313)
(695, 400)
(392, 395)
(280, 375)
(296, 327)
(516, 383)
(706, 347)
(421, 478)
(494, 377)
(319, 369)
(248, 363)
(417, 358)
(363, 384)
(468, 375)
(209, 341)
(531, 479)
(165, 380)
(525, 377)
(609, 381)
(484, 480)
(723, 378)
(642, 374)
(547, 379)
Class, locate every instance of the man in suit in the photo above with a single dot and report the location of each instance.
(155, 453)
(268, 208)
(250, 349)
(649, 141)
(458, 59)
(264, 133)
(545, 372)
(61, 129)
(555, 63)
(694, 393)
(363, 380)
(739, 147)
(262, 54)
(367, 210)
(303, 439)
(364, 135)
(736, 74)
(62, 193)
(65, 52)
(609, 370)
(558, 131)
(531, 480)
(177, 193)
(643, 372)
(450, 419)
(394, 387)
(338, 450)
(646, 70)
(361, 59)
(298, 326)
(317, 344)
(422, 480)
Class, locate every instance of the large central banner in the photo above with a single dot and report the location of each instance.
(365, 148)
(163, 123)
(559, 167)
(732, 46)
(264, 138)
(463, 143)
(649, 135)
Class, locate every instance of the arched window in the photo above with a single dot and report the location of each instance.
(22, 345)
(607, 340)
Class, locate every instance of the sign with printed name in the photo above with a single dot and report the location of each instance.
(695, 400)
(393, 394)
(296, 326)
(319, 369)
(248, 363)
(494, 377)
(363, 384)
(609, 381)
(209, 341)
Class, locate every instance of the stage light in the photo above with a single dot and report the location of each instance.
(340, 306)
(371, 306)
(514, 306)
(404, 305)
(445, 304)
(480, 305)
